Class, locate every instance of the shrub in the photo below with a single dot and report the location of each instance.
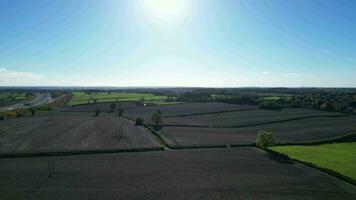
(11, 114)
(157, 120)
(2, 117)
(112, 106)
(139, 121)
(120, 111)
(33, 111)
(97, 112)
(20, 113)
(270, 105)
(157, 127)
(156, 117)
(265, 139)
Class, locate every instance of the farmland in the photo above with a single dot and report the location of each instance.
(218, 127)
(69, 132)
(12, 96)
(185, 109)
(8, 98)
(99, 97)
(246, 117)
(239, 173)
(295, 131)
(75, 127)
(339, 157)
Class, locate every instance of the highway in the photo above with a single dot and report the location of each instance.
(37, 101)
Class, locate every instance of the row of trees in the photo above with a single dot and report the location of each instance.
(156, 119)
(112, 107)
(340, 100)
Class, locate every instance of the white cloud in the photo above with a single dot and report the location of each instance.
(14, 78)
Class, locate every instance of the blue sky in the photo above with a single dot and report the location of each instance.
(225, 43)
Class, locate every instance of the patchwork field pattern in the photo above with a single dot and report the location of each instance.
(83, 98)
(246, 118)
(184, 109)
(296, 131)
(66, 133)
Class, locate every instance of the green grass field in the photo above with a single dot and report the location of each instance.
(18, 96)
(83, 98)
(339, 157)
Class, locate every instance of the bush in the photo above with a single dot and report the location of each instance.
(97, 112)
(33, 111)
(11, 114)
(120, 111)
(157, 120)
(2, 117)
(265, 139)
(270, 105)
(112, 106)
(157, 127)
(139, 121)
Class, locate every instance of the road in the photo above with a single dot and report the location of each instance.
(40, 99)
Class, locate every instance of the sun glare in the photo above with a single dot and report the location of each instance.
(165, 10)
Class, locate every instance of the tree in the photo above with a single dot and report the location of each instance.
(95, 100)
(270, 105)
(120, 110)
(97, 112)
(112, 106)
(139, 121)
(157, 120)
(265, 139)
(142, 99)
(33, 111)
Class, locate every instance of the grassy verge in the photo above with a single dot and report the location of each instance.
(338, 157)
(100, 97)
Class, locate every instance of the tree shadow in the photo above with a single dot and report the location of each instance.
(283, 159)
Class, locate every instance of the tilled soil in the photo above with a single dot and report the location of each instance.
(236, 173)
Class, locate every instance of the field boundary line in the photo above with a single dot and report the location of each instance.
(347, 137)
(158, 136)
(321, 169)
(78, 152)
(251, 125)
(209, 113)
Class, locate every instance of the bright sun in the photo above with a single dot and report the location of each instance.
(165, 10)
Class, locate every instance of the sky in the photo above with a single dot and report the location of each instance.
(198, 43)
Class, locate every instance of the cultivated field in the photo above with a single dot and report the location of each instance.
(71, 132)
(226, 173)
(84, 98)
(184, 124)
(184, 109)
(245, 118)
(237, 173)
(296, 131)
(102, 106)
